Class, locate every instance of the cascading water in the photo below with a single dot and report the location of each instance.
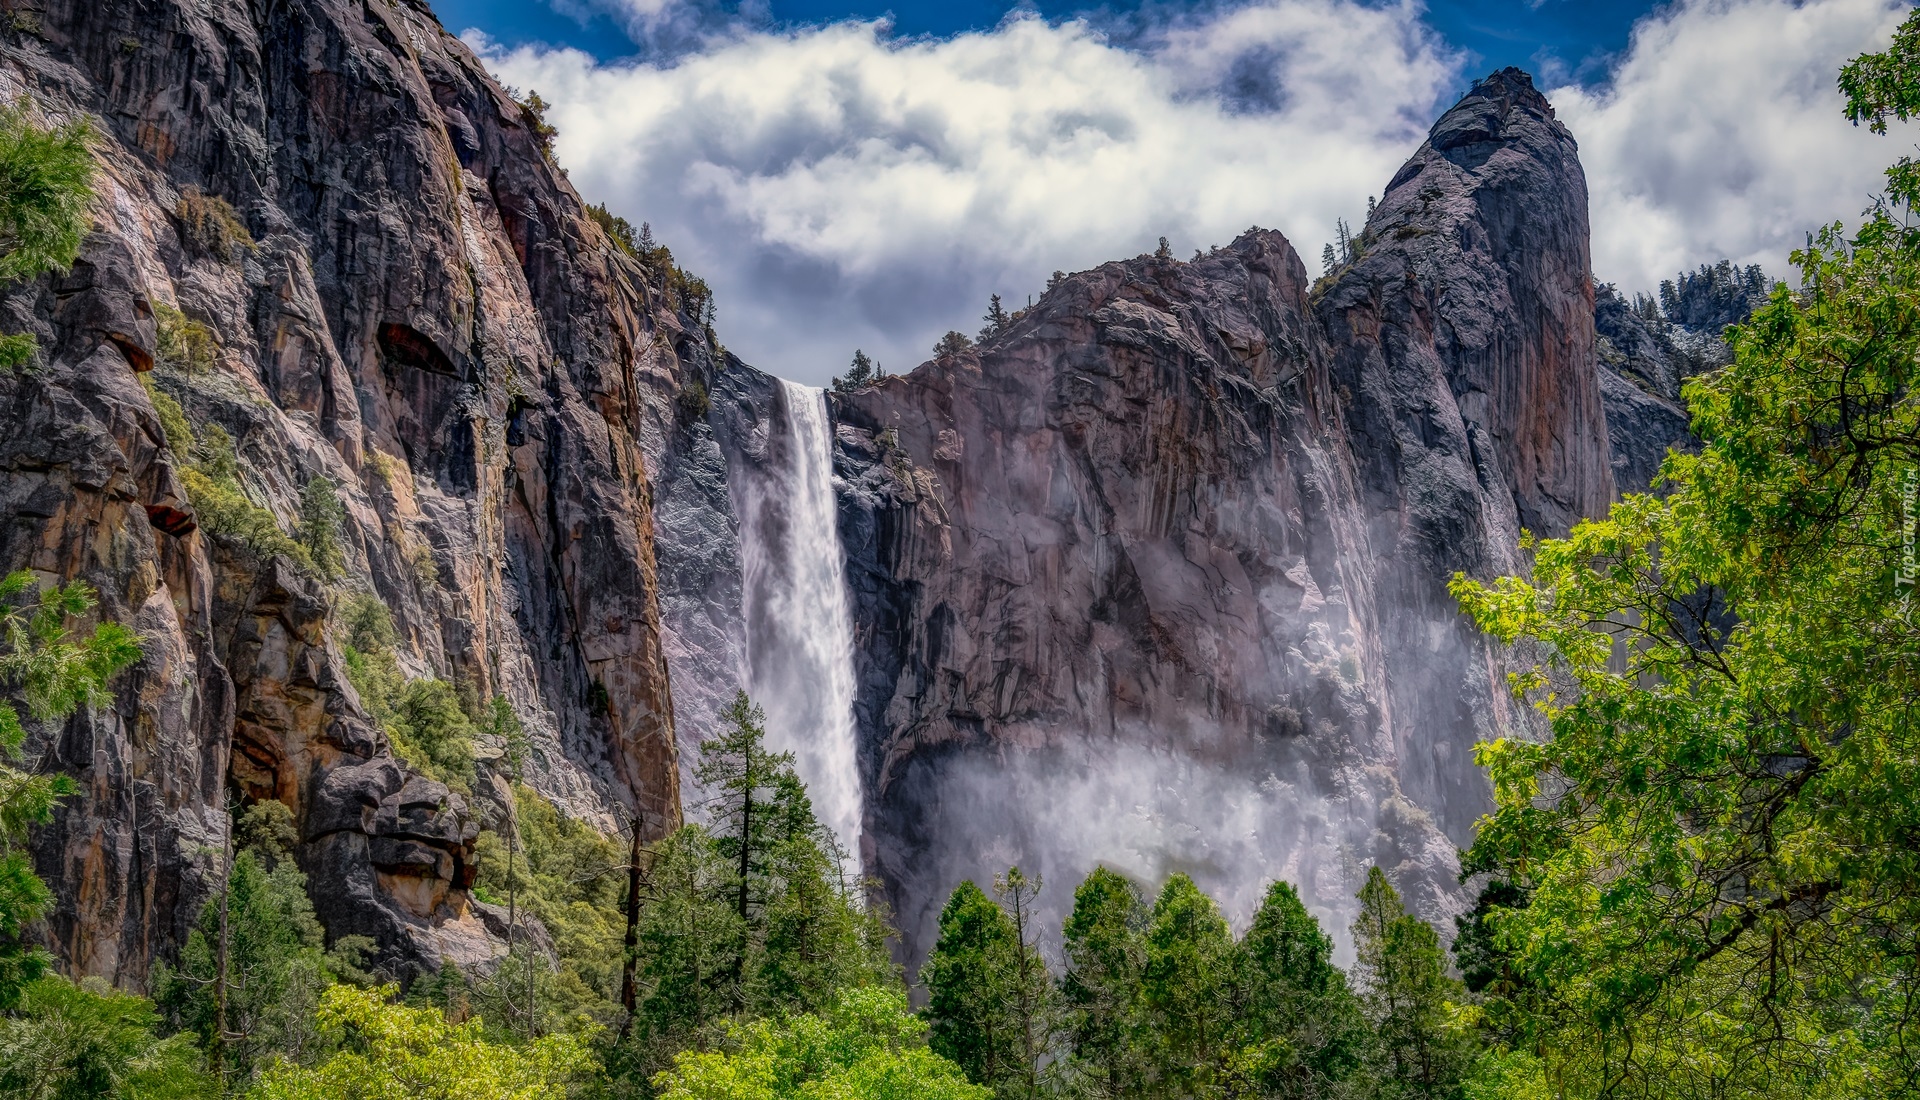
(799, 630)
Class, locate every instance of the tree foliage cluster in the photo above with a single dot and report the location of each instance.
(1159, 999)
(1707, 881)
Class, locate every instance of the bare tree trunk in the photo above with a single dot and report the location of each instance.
(629, 996)
(218, 1052)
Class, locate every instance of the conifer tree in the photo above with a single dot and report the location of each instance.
(1187, 988)
(1404, 989)
(1296, 1021)
(1031, 999)
(1106, 964)
(997, 319)
(46, 182)
(1328, 261)
(966, 977)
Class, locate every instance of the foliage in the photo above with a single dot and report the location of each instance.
(177, 433)
(864, 1046)
(431, 732)
(1106, 962)
(1405, 993)
(863, 372)
(997, 319)
(1296, 1024)
(54, 671)
(46, 182)
(617, 228)
(533, 114)
(321, 518)
(1189, 966)
(368, 622)
(211, 226)
(91, 1042)
(184, 344)
(693, 400)
(1715, 887)
(388, 1051)
(276, 967)
(966, 976)
(223, 508)
(951, 345)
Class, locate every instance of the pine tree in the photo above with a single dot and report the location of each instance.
(1297, 1023)
(1345, 238)
(46, 182)
(863, 372)
(1188, 978)
(952, 344)
(1404, 990)
(1106, 964)
(1328, 261)
(1030, 989)
(997, 319)
(321, 518)
(1056, 279)
(1164, 252)
(968, 990)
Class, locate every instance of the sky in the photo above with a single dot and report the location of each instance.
(850, 174)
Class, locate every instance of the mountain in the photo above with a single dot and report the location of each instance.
(377, 277)
(1154, 576)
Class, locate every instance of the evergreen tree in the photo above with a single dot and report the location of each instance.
(252, 971)
(1297, 1023)
(863, 372)
(1106, 965)
(688, 937)
(1404, 986)
(968, 991)
(997, 319)
(1344, 237)
(1164, 252)
(55, 672)
(952, 344)
(321, 517)
(750, 799)
(1030, 997)
(1187, 988)
(1328, 261)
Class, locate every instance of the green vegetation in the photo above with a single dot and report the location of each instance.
(863, 372)
(865, 1044)
(1161, 1000)
(223, 507)
(185, 345)
(386, 1051)
(1707, 882)
(211, 226)
(46, 182)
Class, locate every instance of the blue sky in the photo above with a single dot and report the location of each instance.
(1564, 39)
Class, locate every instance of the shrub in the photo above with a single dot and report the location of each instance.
(431, 732)
(617, 227)
(173, 420)
(185, 344)
(209, 224)
(693, 400)
(368, 623)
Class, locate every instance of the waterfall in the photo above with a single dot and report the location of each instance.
(799, 629)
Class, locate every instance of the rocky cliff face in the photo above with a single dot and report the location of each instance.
(427, 317)
(1157, 576)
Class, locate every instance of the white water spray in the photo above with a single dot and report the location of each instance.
(799, 629)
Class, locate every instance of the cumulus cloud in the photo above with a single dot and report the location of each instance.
(843, 188)
(1720, 134)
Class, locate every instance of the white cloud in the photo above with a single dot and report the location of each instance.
(1720, 134)
(840, 188)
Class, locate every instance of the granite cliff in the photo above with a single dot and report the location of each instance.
(1154, 576)
(323, 230)
(1157, 575)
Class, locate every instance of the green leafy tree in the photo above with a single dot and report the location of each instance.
(865, 1046)
(1105, 950)
(966, 976)
(54, 672)
(952, 344)
(386, 1051)
(863, 372)
(63, 1041)
(1297, 1026)
(1716, 846)
(46, 182)
(1187, 989)
(754, 806)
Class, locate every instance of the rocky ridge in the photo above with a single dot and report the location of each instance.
(377, 277)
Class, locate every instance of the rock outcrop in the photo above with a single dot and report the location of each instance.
(325, 231)
(1157, 576)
